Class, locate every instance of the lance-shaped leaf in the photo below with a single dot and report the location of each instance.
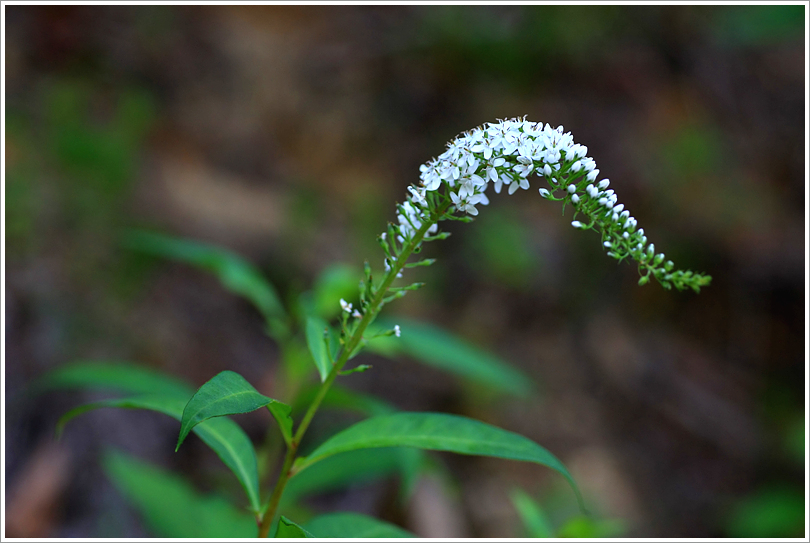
(290, 530)
(170, 506)
(344, 468)
(122, 376)
(433, 346)
(235, 273)
(317, 345)
(228, 393)
(438, 432)
(531, 515)
(223, 435)
(348, 469)
(353, 525)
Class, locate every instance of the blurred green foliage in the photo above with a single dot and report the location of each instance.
(519, 45)
(772, 511)
(94, 136)
(171, 506)
(758, 25)
(692, 150)
(500, 243)
(536, 523)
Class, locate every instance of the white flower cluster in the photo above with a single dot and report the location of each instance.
(504, 154)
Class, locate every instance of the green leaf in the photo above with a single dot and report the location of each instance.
(170, 506)
(347, 469)
(125, 377)
(228, 393)
(353, 525)
(433, 346)
(438, 432)
(534, 520)
(339, 473)
(290, 530)
(335, 282)
(223, 435)
(582, 527)
(317, 345)
(235, 273)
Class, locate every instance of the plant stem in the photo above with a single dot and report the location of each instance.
(349, 348)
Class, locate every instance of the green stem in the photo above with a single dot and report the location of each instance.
(349, 348)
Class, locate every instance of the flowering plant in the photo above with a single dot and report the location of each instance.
(503, 154)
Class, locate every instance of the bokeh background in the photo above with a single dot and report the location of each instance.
(287, 133)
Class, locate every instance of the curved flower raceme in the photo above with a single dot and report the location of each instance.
(505, 154)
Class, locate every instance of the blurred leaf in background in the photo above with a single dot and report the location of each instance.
(773, 511)
(537, 524)
(500, 243)
(429, 344)
(170, 506)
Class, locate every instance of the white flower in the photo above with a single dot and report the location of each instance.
(603, 184)
(347, 307)
(418, 196)
(592, 176)
(572, 189)
(544, 193)
(356, 314)
(575, 199)
(467, 204)
(397, 330)
(521, 183)
(525, 167)
(576, 224)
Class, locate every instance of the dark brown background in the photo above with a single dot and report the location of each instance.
(287, 134)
